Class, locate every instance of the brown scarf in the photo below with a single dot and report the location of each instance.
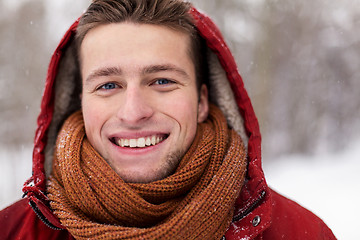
(196, 202)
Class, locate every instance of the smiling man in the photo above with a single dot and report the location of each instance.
(146, 132)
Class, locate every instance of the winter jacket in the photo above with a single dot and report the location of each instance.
(260, 213)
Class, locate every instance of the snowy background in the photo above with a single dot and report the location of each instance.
(299, 60)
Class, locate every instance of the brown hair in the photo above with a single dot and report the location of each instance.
(170, 13)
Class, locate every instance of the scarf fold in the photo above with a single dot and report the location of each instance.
(195, 202)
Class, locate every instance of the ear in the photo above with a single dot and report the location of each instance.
(203, 106)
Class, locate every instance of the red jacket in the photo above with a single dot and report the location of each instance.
(260, 213)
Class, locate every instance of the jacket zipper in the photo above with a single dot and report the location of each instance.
(247, 211)
(252, 207)
(42, 217)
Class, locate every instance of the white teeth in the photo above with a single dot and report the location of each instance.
(147, 141)
(133, 143)
(140, 142)
(153, 140)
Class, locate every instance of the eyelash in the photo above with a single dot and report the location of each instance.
(103, 87)
(168, 81)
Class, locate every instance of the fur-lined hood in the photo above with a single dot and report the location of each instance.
(61, 98)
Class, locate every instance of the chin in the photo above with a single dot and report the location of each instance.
(140, 177)
(165, 169)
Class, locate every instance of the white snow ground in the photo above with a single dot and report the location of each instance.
(327, 184)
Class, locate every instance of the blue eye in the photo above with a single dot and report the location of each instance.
(108, 86)
(162, 81)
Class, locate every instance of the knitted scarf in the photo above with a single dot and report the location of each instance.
(195, 202)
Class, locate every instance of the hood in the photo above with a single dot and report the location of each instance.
(61, 98)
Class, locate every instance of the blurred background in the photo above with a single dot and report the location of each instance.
(300, 62)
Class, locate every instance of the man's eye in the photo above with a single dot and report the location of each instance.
(108, 86)
(162, 81)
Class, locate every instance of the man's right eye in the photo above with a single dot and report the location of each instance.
(107, 86)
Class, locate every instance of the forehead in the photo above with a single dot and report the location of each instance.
(142, 35)
(124, 43)
(134, 47)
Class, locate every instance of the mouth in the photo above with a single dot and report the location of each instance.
(141, 142)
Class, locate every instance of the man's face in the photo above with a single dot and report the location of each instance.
(139, 99)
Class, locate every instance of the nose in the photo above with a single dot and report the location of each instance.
(135, 107)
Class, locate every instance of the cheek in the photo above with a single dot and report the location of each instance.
(181, 108)
(183, 101)
(93, 118)
(184, 112)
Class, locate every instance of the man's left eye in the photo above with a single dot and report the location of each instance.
(162, 81)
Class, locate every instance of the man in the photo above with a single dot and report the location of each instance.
(130, 146)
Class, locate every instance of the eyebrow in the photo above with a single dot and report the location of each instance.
(103, 72)
(164, 68)
(117, 71)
